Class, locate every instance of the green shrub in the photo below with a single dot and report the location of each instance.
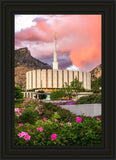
(57, 94)
(31, 103)
(17, 93)
(86, 133)
(56, 116)
(91, 99)
(96, 84)
(18, 101)
(28, 116)
(65, 115)
(48, 114)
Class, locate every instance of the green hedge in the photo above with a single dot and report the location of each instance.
(94, 98)
(57, 94)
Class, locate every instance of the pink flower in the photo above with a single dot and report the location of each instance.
(38, 110)
(40, 128)
(29, 104)
(42, 109)
(37, 116)
(23, 109)
(53, 136)
(61, 124)
(44, 118)
(78, 119)
(22, 134)
(69, 123)
(98, 118)
(27, 137)
(21, 124)
(56, 120)
(19, 113)
(17, 110)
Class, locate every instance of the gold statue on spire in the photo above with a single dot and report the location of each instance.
(55, 35)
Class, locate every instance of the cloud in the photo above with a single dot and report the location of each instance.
(78, 37)
(64, 60)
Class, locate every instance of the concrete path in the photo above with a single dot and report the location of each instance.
(84, 109)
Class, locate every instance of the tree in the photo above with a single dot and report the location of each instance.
(17, 93)
(68, 89)
(96, 84)
(76, 86)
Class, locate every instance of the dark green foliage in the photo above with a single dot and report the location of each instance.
(76, 85)
(94, 98)
(96, 84)
(57, 94)
(18, 101)
(17, 93)
(86, 133)
(28, 116)
(65, 115)
(68, 89)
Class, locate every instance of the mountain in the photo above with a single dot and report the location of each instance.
(73, 68)
(24, 62)
(24, 58)
(96, 72)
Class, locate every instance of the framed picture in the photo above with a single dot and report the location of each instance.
(57, 80)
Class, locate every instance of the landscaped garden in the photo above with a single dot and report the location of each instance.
(43, 124)
(39, 123)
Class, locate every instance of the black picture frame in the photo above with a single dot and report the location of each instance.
(107, 10)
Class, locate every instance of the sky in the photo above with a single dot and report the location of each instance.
(78, 38)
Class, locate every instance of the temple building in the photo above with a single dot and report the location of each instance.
(54, 78)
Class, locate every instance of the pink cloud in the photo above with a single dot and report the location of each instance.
(79, 35)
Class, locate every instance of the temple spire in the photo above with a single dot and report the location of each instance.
(55, 63)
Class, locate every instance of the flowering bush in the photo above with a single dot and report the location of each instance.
(64, 114)
(33, 127)
(88, 132)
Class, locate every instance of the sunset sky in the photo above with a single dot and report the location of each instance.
(78, 38)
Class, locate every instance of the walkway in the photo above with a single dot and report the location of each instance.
(84, 109)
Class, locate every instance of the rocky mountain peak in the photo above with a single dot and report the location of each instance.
(24, 62)
(96, 72)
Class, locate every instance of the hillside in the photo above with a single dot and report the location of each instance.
(96, 72)
(24, 58)
(25, 62)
